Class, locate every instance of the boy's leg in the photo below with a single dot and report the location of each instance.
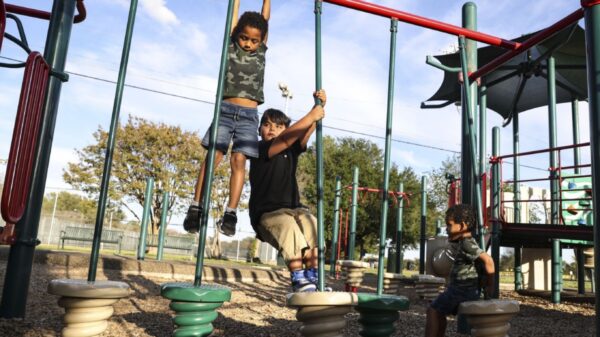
(192, 219)
(436, 323)
(236, 183)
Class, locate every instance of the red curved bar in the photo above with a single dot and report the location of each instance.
(2, 21)
(24, 140)
(589, 3)
(36, 13)
(367, 7)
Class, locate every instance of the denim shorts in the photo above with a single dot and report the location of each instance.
(238, 124)
(447, 302)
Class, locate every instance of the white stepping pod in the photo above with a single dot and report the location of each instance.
(353, 271)
(322, 313)
(489, 318)
(88, 305)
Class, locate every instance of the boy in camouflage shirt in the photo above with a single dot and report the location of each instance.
(464, 282)
(238, 124)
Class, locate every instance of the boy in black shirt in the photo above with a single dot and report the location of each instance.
(276, 214)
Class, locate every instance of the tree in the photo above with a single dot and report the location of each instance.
(340, 156)
(145, 149)
(77, 207)
(438, 182)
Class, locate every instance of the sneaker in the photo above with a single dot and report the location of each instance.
(312, 275)
(300, 284)
(227, 225)
(192, 219)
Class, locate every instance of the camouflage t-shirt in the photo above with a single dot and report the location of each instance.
(464, 272)
(245, 73)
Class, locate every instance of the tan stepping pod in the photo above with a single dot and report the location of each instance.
(353, 271)
(428, 287)
(489, 318)
(322, 313)
(392, 282)
(589, 257)
(88, 305)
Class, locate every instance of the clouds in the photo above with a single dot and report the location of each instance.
(157, 10)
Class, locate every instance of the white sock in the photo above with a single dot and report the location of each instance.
(195, 203)
(229, 209)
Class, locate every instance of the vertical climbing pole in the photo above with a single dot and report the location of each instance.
(163, 226)
(2, 21)
(423, 225)
(495, 199)
(353, 209)
(400, 210)
(469, 21)
(516, 197)
(141, 251)
(576, 161)
(482, 154)
(592, 41)
(20, 259)
(335, 225)
(195, 304)
(554, 204)
(319, 141)
(110, 142)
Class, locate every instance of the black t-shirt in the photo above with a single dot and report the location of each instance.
(273, 182)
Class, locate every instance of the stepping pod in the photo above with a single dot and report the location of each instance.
(322, 313)
(353, 272)
(194, 306)
(88, 305)
(392, 283)
(489, 318)
(428, 286)
(378, 313)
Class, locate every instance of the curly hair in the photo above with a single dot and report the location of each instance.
(275, 116)
(254, 20)
(461, 213)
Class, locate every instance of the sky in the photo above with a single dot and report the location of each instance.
(176, 51)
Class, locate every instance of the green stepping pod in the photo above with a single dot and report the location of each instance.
(194, 306)
(378, 313)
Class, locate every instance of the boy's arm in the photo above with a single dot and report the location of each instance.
(266, 13)
(323, 100)
(490, 270)
(297, 131)
(236, 11)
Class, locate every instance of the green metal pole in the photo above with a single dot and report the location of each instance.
(495, 203)
(400, 210)
(335, 225)
(471, 130)
(469, 20)
(482, 149)
(516, 170)
(353, 209)
(210, 156)
(592, 42)
(518, 272)
(576, 161)
(163, 226)
(110, 143)
(141, 253)
(423, 224)
(556, 261)
(387, 155)
(319, 147)
(20, 259)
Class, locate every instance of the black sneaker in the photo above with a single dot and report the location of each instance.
(227, 225)
(192, 219)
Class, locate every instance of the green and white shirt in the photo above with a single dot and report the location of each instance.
(245, 73)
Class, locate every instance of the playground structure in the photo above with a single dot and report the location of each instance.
(24, 219)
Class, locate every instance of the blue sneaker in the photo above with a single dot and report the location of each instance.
(300, 284)
(312, 274)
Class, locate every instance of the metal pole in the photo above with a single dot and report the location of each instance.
(53, 214)
(20, 259)
(576, 161)
(141, 253)
(319, 147)
(387, 154)
(482, 151)
(423, 224)
(163, 226)
(335, 224)
(516, 170)
(399, 215)
(237, 252)
(592, 38)
(495, 203)
(554, 205)
(518, 272)
(438, 227)
(353, 209)
(110, 143)
(210, 156)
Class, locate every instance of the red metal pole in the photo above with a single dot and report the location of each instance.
(2, 21)
(525, 45)
(36, 13)
(387, 12)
